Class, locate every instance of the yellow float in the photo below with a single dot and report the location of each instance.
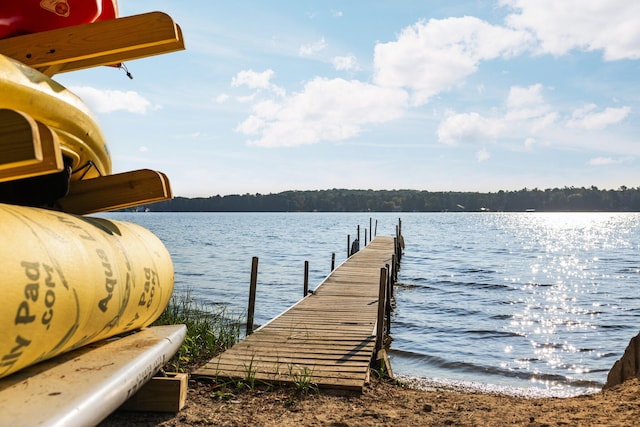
(28, 91)
(68, 281)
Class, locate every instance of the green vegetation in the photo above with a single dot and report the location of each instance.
(303, 380)
(250, 376)
(568, 199)
(208, 333)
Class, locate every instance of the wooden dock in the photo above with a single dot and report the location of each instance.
(327, 339)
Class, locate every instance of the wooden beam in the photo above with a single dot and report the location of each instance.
(19, 140)
(117, 57)
(100, 43)
(160, 394)
(118, 191)
(27, 148)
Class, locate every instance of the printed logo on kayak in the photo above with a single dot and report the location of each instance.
(59, 7)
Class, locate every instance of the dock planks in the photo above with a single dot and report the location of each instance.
(328, 338)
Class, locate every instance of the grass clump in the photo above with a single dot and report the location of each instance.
(303, 380)
(208, 332)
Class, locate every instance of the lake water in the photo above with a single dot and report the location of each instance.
(543, 302)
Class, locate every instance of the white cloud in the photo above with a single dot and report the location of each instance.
(222, 98)
(527, 108)
(325, 109)
(585, 118)
(268, 110)
(345, 63)
(251, 126)
(612, 26)
(430, 57)
(526, 116)
(468, 127)
(247, 99)
(526, 113)
(483, 155)
(584, 110)
(525, 96)
(108, 101)
(607, 161)
(426, 59)
(433, 56)
(253, 79)
(143, 149)
(312, 48)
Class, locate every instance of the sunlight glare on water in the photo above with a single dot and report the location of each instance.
(562, 284)
(558, 311)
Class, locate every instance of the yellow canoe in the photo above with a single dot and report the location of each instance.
(30, 92)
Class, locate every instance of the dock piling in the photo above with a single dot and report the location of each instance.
(381, 309)
(306, 279)
(252, 295)
(348, 245)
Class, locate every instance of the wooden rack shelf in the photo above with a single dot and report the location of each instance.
(118, 191)
(101, 43)
(29, 148)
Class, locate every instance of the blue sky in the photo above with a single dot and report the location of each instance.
(429, 95)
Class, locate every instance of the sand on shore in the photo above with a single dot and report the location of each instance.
(385, 403)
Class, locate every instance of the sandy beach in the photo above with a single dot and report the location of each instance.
(385, 403)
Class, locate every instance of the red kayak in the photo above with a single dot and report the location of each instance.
(19, 17)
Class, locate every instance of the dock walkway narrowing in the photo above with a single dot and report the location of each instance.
(327, 338)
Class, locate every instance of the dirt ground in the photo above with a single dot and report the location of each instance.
(385, 403)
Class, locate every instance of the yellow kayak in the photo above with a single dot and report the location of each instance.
(68, 281)
(28, 91)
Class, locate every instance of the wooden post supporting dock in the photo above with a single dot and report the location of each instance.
(252, 295)
(382, 302)
(348, 245)
(306, 279)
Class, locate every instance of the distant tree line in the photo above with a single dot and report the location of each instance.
(568, 199)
